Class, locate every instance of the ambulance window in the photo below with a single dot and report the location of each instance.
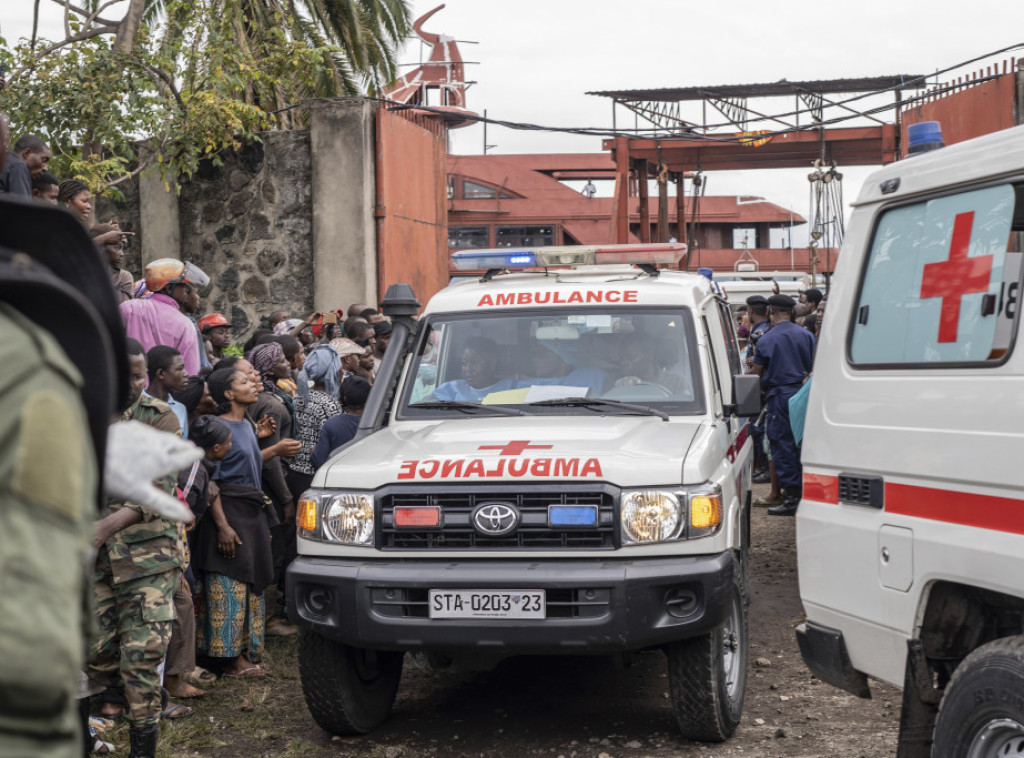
(725, 315)
(941, 284)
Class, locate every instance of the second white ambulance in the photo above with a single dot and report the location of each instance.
(910, 533)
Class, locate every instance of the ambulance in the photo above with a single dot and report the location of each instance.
(554, 460)
(910, 533)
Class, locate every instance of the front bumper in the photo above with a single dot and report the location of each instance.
(593, 606)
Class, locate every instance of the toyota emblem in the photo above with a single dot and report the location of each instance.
(495, 519)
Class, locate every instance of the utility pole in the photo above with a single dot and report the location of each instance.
(486, 146)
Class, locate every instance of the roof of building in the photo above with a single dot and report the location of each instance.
(770, 89)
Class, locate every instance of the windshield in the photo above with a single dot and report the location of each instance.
(628, 362)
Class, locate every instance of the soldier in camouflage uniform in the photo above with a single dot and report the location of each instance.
(138, 568)
(48, 476)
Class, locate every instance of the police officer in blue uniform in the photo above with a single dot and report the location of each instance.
(783, 360)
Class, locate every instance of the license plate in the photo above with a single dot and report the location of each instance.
(496, 604)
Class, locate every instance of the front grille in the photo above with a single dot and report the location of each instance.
(533, 533)
(561, 603)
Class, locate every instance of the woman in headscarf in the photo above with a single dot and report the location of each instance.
(269, 362)
(314, 405)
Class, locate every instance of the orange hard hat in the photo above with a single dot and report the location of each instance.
(211, 320)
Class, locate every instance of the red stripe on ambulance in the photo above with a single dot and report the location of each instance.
(1000, 514)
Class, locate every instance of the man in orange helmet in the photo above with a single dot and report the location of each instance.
(216, 330)
(157, 320)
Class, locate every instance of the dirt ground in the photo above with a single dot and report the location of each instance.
(568, 707)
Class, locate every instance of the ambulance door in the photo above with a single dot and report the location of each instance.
(736, 446)
(917, 400)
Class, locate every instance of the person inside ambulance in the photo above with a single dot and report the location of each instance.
(643, 368)
(551, 364)
(480, 377)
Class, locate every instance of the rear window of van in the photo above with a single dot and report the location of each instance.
(942, 282)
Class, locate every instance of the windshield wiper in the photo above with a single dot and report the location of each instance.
(595, 402)
(460, 405)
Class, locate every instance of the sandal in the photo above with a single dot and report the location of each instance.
(253, 670)
(765, 501)
(200, 676)
(175, 711)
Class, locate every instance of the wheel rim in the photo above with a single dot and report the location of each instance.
(732, 653)
(999, 738)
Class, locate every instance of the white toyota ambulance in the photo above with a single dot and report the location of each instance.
(553, 460)
(910, 534)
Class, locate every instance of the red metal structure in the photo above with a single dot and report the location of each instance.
(440, 82)
(968, 107)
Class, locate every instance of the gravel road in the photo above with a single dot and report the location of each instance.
(570, 707)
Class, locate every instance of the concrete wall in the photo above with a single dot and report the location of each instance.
(344, 237)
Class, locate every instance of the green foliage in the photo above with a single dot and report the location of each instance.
(200, 76)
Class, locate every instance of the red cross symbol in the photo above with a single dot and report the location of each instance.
(955, 277)
(515, 447)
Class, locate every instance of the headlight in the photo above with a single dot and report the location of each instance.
(659, 515)
(346, 517)
(651, 516)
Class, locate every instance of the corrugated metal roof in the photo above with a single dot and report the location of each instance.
(770, 89)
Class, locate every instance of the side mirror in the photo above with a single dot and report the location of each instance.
(746, 392)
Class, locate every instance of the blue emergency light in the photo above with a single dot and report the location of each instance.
(923, 137)
(567, 255)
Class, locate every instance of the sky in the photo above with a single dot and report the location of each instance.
(536, 59)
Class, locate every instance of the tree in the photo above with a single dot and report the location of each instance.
(176, 81)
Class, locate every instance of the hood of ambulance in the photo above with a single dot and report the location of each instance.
(626, 451)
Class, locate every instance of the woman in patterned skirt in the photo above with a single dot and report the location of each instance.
(233, 547)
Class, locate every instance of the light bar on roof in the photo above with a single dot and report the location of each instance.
(568, 255)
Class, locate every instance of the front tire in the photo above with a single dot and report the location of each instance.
(348, 690)
(982, 711)
(708, 674)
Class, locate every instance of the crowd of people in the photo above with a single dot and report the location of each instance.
(178, 606)
(262, 413)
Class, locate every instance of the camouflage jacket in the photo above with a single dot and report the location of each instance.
(151, 546)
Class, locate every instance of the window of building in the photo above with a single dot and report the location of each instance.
(525, 236)
(744, 236)
(464, 237)
(476, 191)
(941, 284)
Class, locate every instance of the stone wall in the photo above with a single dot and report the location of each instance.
(248, 223)
(126, 213)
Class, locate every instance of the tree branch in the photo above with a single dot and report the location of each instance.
(168, 81)
(95, 32)
(83, 12)
(95, 15)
